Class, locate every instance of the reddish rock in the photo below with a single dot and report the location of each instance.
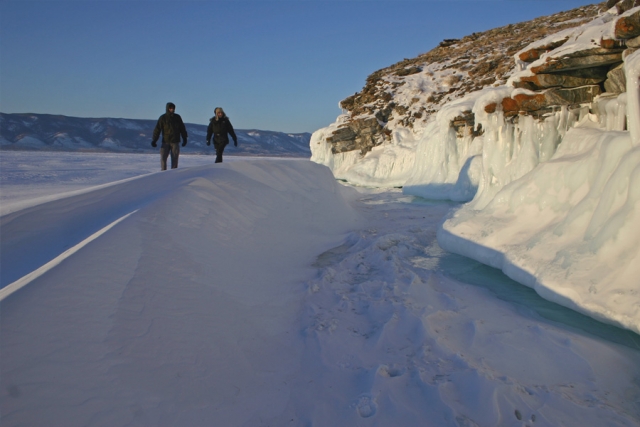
(535, 53)
(509, 105)
(612, 43)
(527, 102)
(490, 108)
(627, 27)
(531, 55)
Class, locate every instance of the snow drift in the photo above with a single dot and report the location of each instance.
(230, 295)
(197, 280)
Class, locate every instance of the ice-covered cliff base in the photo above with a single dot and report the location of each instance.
(553, 200)
(553, 203)
(569, 228)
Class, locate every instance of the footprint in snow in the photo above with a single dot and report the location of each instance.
(390, 371)
(518, 415)
(366, 407)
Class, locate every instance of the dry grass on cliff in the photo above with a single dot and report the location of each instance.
(479, 60)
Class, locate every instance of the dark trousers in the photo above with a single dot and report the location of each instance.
(165, 150)
(219, 151)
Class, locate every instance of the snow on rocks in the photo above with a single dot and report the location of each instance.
(407, 95)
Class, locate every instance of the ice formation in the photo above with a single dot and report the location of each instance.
(557, 207)
(552, 201)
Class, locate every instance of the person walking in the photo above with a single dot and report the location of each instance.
(220, 127)
(172, 128)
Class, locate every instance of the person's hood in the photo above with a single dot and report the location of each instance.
(170, 105)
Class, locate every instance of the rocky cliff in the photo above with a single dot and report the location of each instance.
(407, 95)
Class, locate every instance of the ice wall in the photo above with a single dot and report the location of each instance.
(445, 167)
(632, 70)
(568, 226)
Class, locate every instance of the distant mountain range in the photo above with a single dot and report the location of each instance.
(61, 133)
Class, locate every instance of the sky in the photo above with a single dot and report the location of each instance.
(272, 65)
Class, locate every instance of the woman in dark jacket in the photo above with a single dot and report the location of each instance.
(220, 127)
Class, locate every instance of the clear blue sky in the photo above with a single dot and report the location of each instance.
(272, 65)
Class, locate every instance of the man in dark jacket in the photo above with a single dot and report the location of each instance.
(172, 127)
(220, 127)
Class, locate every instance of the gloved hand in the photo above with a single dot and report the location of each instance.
(235, 143)
(154, 144)
(184, 142)
(208, 142)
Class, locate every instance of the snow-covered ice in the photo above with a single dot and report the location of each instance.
(262, 292)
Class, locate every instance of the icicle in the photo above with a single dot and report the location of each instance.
(632, 70)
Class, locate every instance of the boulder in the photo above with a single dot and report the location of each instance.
(634, 42)
(627, 27)
(535, 53)
(510, 107)
(361, 134)
(448, 42)
(407, 71)
(625, 5)
(589, 58)
(465, 123)
(611, 3)
(343, 133)
(579, 95)
(342, 139)
(566, 80)
(612, 43)
(529, 103)
(616, 80)
(490, 108)
(622, 5)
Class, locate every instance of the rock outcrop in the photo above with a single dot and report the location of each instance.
(578, 76)
(360, 134)
(408, 93)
